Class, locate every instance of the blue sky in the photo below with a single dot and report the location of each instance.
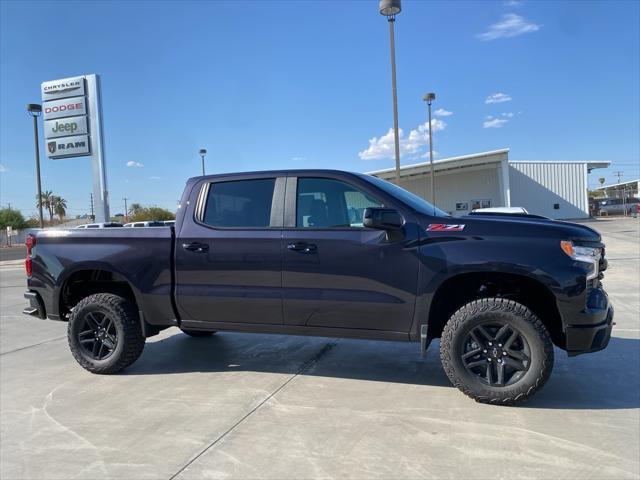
(304, 84)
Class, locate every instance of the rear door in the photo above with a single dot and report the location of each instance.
(229, 256)
(336, 273)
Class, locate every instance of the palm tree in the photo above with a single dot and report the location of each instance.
(60, 207)
(46, 200)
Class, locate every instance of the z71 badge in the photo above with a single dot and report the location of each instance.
(445, 227)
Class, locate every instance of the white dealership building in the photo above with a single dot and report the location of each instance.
(555, 189)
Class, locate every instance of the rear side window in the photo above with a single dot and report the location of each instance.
(328, 203)
(239, 204)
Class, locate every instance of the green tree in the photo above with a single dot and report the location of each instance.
(134, 209)
(60, 207)
(601, 180)
(11, 218)
(143, 214)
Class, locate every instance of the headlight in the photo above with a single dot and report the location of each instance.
(589, 255)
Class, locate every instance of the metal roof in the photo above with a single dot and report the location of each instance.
(617, 184)
(475, 159)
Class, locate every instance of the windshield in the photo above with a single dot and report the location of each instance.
(414, 201)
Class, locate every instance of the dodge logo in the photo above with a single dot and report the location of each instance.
(52, 147)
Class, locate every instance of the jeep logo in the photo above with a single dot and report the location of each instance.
(70, 127)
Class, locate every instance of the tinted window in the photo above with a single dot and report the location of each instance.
(243, 203)
(93, 226)
(326, 203)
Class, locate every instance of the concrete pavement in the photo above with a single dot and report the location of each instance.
(279, 407)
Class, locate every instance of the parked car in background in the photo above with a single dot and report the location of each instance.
(152, 223)
(100, 225)
(617, 206)
(169, 223)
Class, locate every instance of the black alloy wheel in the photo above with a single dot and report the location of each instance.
(497, 353)
(97, 335)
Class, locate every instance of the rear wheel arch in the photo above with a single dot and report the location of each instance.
(85, 281)
(457, 290)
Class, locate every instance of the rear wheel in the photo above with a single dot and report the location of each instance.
(104, 333)
(496, 351)
(197, 333)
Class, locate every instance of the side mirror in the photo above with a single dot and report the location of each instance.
(382, 219)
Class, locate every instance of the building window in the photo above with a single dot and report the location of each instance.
(462, 206)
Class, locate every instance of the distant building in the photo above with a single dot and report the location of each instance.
(620, 190)
(555, 189)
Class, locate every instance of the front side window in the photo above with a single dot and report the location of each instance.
(327, 203)
(240, 204)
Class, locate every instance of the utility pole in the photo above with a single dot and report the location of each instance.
(126, 212)
(92, 215)
(618, 174)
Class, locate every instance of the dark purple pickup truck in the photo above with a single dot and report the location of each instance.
(330, 253)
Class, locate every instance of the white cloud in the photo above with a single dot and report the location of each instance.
(491, 122)
(298, 159)
(384, 147)
(510, 25)
(154, 178)
(498, 98)
(512, 3)
(441, 112)
(507, 114)
(131, 163)
(3, 168)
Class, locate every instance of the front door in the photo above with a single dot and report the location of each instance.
(336, 273)
(229, 257)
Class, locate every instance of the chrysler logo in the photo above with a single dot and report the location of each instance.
(61, 90)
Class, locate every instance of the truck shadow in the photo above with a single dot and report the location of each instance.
(609, 379)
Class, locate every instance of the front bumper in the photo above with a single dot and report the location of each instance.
(592, 331)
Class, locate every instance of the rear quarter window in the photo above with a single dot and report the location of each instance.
(239, 204)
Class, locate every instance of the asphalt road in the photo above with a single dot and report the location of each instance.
(277, 407)
(12, 253)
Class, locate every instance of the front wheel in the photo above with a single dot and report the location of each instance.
(104, 333)
(496, 351)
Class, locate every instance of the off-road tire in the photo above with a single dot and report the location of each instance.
(515, 314)
(130, 341)
(197, 333)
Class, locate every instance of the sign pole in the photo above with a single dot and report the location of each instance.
(100, 192)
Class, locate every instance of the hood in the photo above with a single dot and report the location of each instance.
(516, 226)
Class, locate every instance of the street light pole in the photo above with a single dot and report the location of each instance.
(430, 97)
(35, 110)
(390, 8)
(203, 152)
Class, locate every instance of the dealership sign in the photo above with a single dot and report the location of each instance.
(73, 128)
(66, 111)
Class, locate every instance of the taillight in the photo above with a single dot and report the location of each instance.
(30, 242)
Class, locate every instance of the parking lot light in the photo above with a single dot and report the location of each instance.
(203, 152)
(35, 110)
